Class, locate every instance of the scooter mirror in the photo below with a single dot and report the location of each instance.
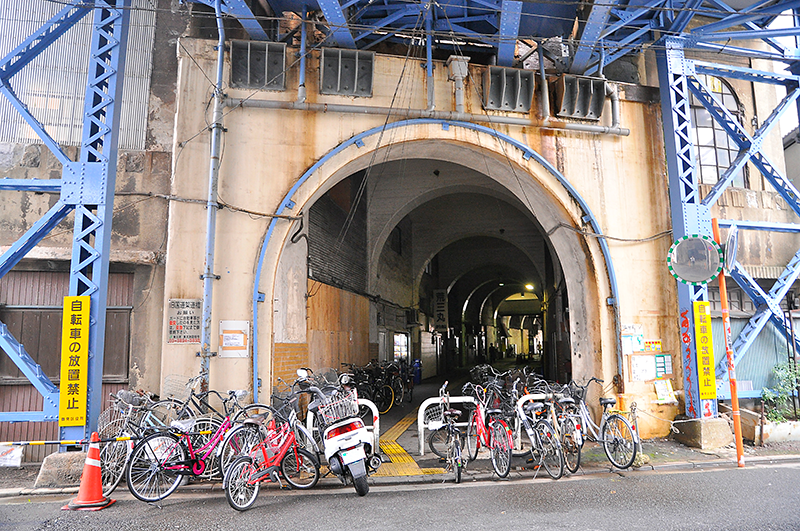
(302, 373)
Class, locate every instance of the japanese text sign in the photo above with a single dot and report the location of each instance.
(74, 361)
(705, 351)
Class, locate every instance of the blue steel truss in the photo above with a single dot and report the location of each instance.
(86, 186)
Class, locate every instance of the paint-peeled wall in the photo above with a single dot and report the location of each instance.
(619, 179)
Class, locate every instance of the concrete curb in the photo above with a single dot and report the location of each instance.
(483, 475)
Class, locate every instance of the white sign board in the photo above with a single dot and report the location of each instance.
(183, 320)
(234, 337)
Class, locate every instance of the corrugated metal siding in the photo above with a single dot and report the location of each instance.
(48, 288)
(53, 85)
(755, 367)
(332, 259)
(26, 398)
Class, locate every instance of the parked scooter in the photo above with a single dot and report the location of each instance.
(347, 444)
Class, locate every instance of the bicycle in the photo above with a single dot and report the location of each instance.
(277, 451)
(545, 445)
(159, 462)
(486, 428)
(619, 439)
(452, 444)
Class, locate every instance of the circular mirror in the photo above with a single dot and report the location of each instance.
(695, 259)
(302, 373)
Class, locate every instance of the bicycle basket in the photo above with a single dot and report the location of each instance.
(339, 406)
(434, 414)
(175, 385)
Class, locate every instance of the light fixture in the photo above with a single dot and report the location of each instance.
(529, 287)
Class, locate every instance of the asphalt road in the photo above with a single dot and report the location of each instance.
(754, 498)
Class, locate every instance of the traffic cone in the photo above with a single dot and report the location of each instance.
(90, 495)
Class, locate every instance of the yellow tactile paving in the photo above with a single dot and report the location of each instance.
(398, 429)
(402, 464)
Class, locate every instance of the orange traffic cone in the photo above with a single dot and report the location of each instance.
(90, 495)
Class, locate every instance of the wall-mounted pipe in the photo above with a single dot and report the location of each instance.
(545, 94)
(423, 113)
(429, 57)
(301, 86)
(212, 206)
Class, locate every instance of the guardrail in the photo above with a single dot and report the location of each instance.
(436, 400)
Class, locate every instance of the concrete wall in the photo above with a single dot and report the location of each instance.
(621, 178)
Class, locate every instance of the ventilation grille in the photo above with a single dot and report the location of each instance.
(507, 89)
(346, 72)
(258, 65)
(580, 97)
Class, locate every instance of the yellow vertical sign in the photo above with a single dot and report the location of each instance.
(705, 351)
(74, 361)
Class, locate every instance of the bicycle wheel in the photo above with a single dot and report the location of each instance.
(152, 472)
(618, 441)
(113, 457)
(550, 449)
(163, 412)
(240, 492)
(570, 444)
(384, 398)
(397, 387)
(437, 442)
(500, 445)
(201, 434)
(472, 436)
(237, 443)
(455, 457)
(255, 409)
(301, 470)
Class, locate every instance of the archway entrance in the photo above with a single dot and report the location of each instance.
(457, 220)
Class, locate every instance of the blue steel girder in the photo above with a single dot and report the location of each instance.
(38, 41)
(765, 10)
(414, 9)
(242, 12)
(749, 147)
(89, 186)
(768, 309)
(337, 23)
(684, 16)
(33, 236)
(619, 48)
(689, 216)
(725, 8)
(510, 15)
(594, 25)
(35, 125)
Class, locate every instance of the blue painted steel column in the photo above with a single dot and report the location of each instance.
(212, 206)
(429, 55)
(510, 15)
(689, 216)
(89, 185)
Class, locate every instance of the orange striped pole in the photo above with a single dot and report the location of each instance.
(726, 324)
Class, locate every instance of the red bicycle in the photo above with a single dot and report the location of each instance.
(277, 452)
(486, 428)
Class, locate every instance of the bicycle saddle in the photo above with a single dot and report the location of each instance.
(608, 401)
(534, 406)
(494, 411)
(184, 425)
(452, 413)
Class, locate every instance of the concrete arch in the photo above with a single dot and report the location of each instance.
(515, 167)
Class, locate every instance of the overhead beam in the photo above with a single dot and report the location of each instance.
(595, 24)
(510, 15)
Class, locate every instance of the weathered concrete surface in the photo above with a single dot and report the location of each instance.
(61, 469)
(703, 433)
